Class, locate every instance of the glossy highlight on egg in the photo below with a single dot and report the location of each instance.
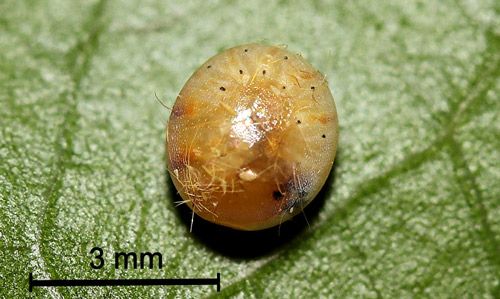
(252, 137)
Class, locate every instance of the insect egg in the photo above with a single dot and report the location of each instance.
(252, 137)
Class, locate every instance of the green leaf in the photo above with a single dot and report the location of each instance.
(411, 210)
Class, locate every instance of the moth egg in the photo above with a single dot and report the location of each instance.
(252, 137)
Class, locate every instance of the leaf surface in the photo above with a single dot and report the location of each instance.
(412, 208)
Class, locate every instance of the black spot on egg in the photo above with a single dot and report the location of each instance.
(277, 195)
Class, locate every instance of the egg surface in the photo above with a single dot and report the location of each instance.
(252, 137)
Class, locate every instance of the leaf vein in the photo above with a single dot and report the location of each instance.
(78, 61)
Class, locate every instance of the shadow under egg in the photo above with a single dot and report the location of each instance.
(238, 244)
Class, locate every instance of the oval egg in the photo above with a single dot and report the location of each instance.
(252, 137)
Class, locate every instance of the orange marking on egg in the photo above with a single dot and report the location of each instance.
(183, 109)
(325, 118)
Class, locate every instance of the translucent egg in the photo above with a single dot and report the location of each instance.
(252, 137)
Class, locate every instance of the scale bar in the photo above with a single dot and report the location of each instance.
(122, 282)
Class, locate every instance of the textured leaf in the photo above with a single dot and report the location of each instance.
(412, 208)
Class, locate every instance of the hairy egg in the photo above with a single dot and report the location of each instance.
(252, 137)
